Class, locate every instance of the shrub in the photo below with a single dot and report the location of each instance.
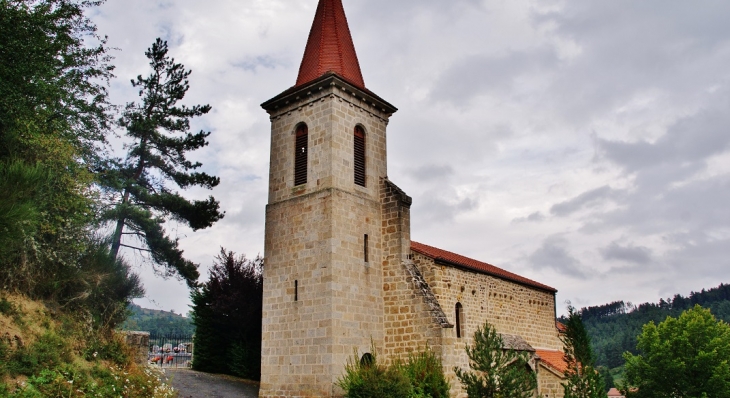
(48, 351)
(426, 374)
(6, 307)
(365, 378)
(420, 376)
(110, 348)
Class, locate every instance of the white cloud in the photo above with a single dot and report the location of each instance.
(556, 139)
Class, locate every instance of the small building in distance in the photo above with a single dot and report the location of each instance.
(341, 270)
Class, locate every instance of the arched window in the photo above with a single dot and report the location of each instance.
(359, 151)
(300, 155)
(367, 360)
(459, 314)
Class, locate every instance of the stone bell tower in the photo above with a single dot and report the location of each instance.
(323, 279)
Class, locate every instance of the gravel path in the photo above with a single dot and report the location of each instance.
(192, 384)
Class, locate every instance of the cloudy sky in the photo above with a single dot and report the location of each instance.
(583, 144)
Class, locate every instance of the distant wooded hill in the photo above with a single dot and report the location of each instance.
(614, 327)
(156, 321)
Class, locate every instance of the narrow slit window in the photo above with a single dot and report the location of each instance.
(359, 152)
(296, 290)
(365, 248)
(459, 319)
(300, 155)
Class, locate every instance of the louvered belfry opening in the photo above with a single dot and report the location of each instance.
(300, 155)
(359, 150)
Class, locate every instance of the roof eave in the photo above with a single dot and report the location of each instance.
(326, 80)
(442, 261)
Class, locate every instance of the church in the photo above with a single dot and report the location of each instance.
(342, 273)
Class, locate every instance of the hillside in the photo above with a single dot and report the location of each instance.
(46, 352)
(613, 327)
(157, 322)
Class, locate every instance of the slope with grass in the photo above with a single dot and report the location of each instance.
(46, 352)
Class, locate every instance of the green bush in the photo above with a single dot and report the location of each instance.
(426, 374)
(6, 307)
(420, 377)
(48, 351)
(368, 379)
(110, 348)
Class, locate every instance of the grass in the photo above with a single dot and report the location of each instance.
(53, 354)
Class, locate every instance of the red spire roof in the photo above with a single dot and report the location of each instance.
(330, 47)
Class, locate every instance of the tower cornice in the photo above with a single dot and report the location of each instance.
(328, 80)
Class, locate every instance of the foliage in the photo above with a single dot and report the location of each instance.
(48, 351)
(227, 317)
(420, 376)
(52, 81)
(582, 379)
(54, 116)
(98, 284)
(496, 372)
(366, 378)
(57, 354)
(607, 376)
(613, 327)
(142, 199)
(426, 375)
(157, 322)
(681, 357)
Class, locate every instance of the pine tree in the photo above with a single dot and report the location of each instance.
(143, 200)
(497, 372)
(582, 378)
(227, 317)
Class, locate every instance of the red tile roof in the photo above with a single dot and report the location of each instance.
(561, 327)
(553, 359)
(474, 265)
(330, 47)
(613, 392)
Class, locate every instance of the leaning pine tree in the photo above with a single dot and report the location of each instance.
(157, 157)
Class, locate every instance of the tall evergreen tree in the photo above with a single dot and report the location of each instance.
(582, 378)
(497, 372)
(227, 317)
(54, 115)
(161, 139)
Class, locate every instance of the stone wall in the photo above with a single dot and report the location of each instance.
(510, 307)
(140, 342)
(411, 321)
(322, 294)
(549, 383)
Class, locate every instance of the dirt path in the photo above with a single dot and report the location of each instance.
(192, 384)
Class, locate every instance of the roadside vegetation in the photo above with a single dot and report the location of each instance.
(47, 352)
(63, 288)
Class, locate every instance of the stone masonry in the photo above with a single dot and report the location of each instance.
(342, 274)
(322, 299)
